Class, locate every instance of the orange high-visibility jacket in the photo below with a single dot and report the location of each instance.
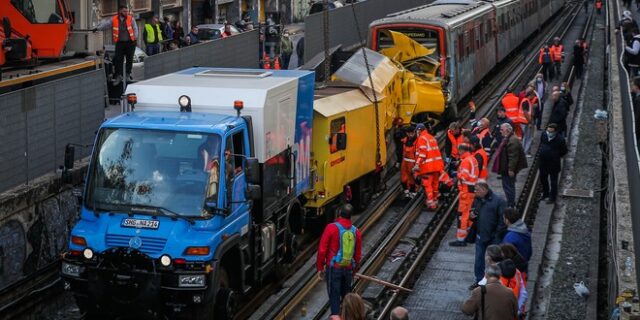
(484, 172)
(428, 156)
(408, 151)
(115, 32)
(510, 102)
(543, 52)
(558, 52)
(467, 172)
(522, 118)
(455, 142)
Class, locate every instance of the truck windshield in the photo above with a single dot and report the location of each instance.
(173, 170)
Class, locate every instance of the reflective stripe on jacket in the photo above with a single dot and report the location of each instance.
(115, 31)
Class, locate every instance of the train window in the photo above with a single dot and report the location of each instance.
(460, 47)
(477, 37)
(482, 34)
(472, 40)
(467, 46)
(487, 31)
(426, 37)
(338, 135)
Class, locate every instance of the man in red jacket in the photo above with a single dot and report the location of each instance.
(339, 256)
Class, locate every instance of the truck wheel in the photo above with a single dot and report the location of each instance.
(225, 304)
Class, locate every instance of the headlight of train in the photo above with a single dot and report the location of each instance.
(72, 270)
(191, 280)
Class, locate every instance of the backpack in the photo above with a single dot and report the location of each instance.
(346, 250)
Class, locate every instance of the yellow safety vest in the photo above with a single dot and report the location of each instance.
(150, 35)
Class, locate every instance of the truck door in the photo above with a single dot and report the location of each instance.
(235, 182)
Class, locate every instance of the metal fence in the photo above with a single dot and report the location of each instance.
(239, 51)
(36, 123)
(342, 25)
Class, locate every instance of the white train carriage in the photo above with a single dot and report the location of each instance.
(470, 37)
(461, 31)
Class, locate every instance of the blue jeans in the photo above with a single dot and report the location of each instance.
(153, 49)
(338, 285)
(478, 266)
(509, 187)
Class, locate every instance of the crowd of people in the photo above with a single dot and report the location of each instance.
(485, 218)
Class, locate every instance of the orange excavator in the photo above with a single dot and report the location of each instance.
(32, 30)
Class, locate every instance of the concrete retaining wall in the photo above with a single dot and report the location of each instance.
(342, 25)
(35, 222)
(239, 51)
(36, 123)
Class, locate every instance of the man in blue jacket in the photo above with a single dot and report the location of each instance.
(518, 233)
(489, 223)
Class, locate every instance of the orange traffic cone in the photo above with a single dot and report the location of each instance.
(276, 63)
(266, 62)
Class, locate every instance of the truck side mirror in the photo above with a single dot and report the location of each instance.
(341, 141)
(69, 157)
(252, 171)
(254, 192)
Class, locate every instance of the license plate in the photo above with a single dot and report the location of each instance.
(140, 223)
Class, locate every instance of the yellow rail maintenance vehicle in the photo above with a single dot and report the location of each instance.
(353, 120)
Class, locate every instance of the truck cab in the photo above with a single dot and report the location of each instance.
(185, 196)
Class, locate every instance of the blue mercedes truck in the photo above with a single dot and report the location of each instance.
(193, 197)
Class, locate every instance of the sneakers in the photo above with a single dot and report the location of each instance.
(129, 77)
(412, 194)
(457, 243)
(473, 286)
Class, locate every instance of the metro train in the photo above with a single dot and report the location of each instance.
(469, 38)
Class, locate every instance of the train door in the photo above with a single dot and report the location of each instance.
(337, 154)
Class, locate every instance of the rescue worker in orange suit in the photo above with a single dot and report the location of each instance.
(429, 165)
(467, 178)
(124, 32)
(546, 60)
(454, 139)
(408, 162)
(558, 56)
(481, 157)
(484, 134)
(511, 104)
(598, 6)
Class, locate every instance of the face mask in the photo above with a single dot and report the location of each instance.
(562, 88)
(539, 80)
(551, 135)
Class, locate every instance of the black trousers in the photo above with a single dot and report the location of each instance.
(547, 71)
(549, 180)
(124, 49)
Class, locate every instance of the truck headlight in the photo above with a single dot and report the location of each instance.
(88, 254)
(191, 280)
(165, 260)
(72, 270)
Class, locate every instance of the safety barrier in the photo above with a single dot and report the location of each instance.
(239, 51)
(36, 124)
(341, 19)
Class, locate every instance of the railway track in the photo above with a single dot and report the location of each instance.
(426, 244)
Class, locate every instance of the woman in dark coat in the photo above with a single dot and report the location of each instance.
(552, 148)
